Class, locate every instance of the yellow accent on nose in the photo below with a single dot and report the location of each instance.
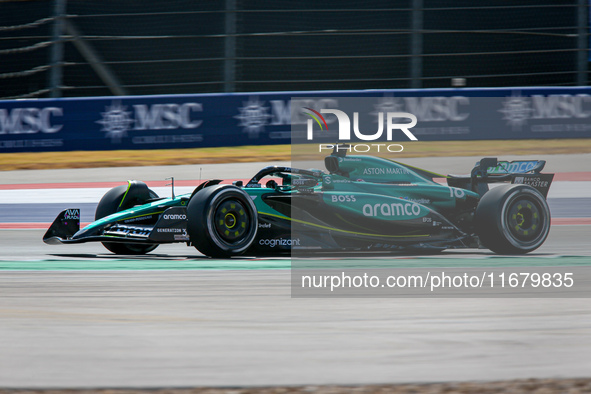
(525, 232)
(227, 232)
(232, 206)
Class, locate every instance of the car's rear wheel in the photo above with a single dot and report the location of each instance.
(118, 199)
(222, 221)
(512, 219)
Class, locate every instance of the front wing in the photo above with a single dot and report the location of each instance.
(170, 227)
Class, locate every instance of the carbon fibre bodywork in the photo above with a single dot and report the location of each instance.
(360, 203)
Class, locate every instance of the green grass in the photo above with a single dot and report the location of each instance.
(126, 158)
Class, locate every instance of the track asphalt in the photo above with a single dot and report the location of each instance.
(76, 316)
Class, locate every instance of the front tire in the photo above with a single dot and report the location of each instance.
(222, 221)
(512, 219)
(118, 199)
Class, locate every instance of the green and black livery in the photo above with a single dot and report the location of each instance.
(360, 203)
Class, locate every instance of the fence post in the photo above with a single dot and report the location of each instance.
(416, 45)
(582, 42)
(94, 60)
(57, 49)
(230, 47)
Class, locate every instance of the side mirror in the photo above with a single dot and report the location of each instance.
(332, 164)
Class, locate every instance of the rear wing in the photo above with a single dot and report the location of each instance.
(490, 170)
(512, 167)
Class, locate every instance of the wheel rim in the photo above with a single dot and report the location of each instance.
(525, 221)
(231, 221)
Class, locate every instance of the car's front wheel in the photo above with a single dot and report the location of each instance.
(222, 221)
(512, 219)
(118, 199)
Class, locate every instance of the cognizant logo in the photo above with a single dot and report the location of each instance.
(280, 242)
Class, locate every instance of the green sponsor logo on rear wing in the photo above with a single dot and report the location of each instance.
(517, 167)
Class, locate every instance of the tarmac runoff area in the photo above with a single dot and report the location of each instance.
(76, 316)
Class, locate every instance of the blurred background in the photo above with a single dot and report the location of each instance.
(236, 327)
(74, 48)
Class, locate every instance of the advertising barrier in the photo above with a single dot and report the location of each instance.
(210, 120)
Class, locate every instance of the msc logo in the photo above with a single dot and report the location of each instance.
(393, 209)
(30, 120)
(117, 120)
(72, 214)
(343, 198)
(427, 109)
(345, 124)
(518, 110)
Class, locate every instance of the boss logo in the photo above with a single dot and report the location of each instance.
(343, 198)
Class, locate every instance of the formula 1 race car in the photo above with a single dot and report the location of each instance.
(362, 203)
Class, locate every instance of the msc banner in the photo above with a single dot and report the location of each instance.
(208, 120)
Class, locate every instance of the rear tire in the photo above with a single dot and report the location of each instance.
(222, 221)
(512, 219)
(112, 202)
